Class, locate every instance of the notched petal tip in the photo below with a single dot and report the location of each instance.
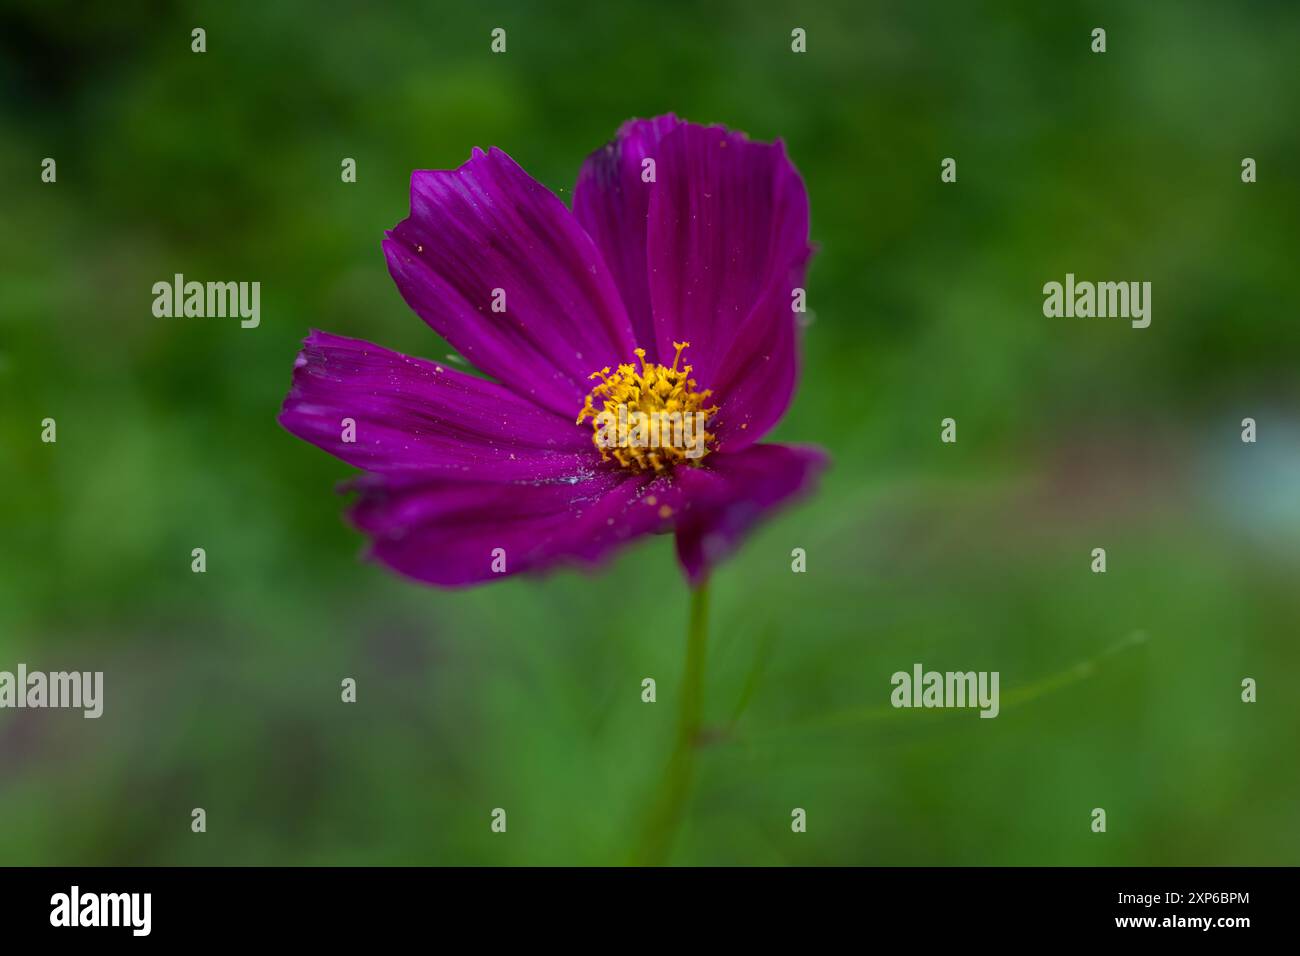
(496, 264)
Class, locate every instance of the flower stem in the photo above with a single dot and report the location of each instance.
(667, 811)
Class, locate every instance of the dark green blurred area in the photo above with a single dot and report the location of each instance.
(222, 689)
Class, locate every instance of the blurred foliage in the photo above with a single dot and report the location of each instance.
(223, 689)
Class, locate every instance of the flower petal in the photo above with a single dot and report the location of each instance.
(734, 491)
(415, 417)
(449, 533)
(489, 226)
(611, 201)
(727, 243)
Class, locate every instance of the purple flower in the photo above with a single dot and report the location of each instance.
(668, 288)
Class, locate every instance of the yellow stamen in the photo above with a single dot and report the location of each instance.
(652, 419)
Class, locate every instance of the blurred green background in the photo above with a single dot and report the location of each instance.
(222, 689)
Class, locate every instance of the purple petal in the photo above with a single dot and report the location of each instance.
(448, 533)
(611, 202)
(731, 493)
(727, 243)
(486, 226)
(415, 417)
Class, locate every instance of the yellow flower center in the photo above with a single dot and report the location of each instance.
(651, 419)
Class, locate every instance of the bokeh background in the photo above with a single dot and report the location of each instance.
(1119, 691)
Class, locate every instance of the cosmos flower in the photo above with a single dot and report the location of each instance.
(668, 288)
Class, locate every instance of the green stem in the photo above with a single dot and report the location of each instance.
(667, 811)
